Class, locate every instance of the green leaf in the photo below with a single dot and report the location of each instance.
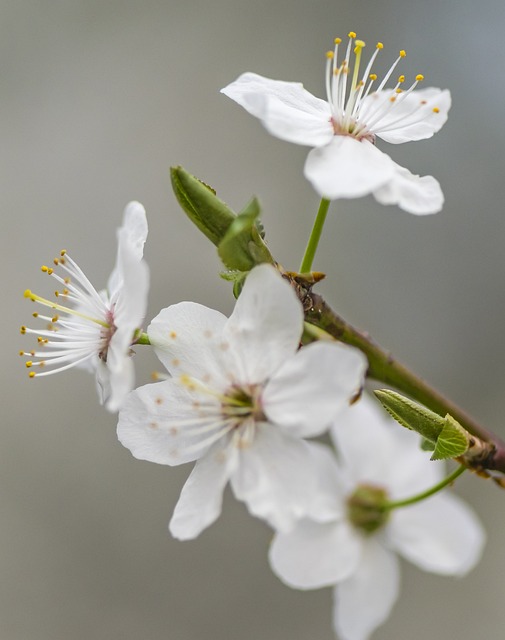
(242, 247)
(452, 442)
(237, 277)
(412, 415)
(426, 445)
(199, 201)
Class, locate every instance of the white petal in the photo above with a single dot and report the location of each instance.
(441, 535)
(364, 601)
(131, 238)
(411, 120)
(276, 478)
(201, 498)
(286, 109)
(187, 338)
(347, 168)
(120, 378)
(412, 193)
(308, 391)
(265, 326)
(158, 422)
(364, 440)
(315, 555)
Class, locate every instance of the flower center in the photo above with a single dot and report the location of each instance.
(243, 403)
(365, 508)
(355, 109)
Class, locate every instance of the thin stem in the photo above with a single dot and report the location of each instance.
(310, 250)
(388, 506)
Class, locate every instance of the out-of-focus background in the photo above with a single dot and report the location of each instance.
(98, 99)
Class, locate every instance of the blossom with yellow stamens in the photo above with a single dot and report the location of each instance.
(345, 163)
(241, 399)
(90, 329)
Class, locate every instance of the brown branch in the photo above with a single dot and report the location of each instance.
(384, 368)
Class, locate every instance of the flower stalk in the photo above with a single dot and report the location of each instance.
(389, 506)
(313, 242)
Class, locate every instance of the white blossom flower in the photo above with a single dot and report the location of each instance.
(345, 163)
(240, 401)
(95, 330)
(355, 549)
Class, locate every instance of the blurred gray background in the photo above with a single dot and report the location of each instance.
(98, 99)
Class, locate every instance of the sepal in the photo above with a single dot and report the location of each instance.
(444, 436)
(242, 246)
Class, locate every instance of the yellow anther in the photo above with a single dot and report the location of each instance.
(22, 330)
(399, 90)
(436, 110)
(359, 45)
(50, 271)
(329, 55)
(63, 252)
(21, 353)
(65, 292)
(28, 364)
(401, 78)
(337, 40)
(55, 318)
(35, 314)
(57, 293)
(351, 34)
(419, 77)
(32, 374)
(373, 76)
(44, 268)
(28, 294)
(379, 45)
(67, 280)
(403, 53)
(392, 99)
(56, 261)
(40, 339)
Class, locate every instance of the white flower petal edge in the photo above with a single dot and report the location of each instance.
(343, 129)
(364, 601)
(202, 496)
(315, 555)
(304, 407)
(442, 535)
(348, 168)
(286, 109)
(95, 330)
(415, 194)
(127, 291)
(233, 396)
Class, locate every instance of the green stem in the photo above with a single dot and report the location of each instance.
(310, 250)
(142, 338)
(388, 506)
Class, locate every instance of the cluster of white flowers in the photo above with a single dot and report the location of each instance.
(242, 396)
